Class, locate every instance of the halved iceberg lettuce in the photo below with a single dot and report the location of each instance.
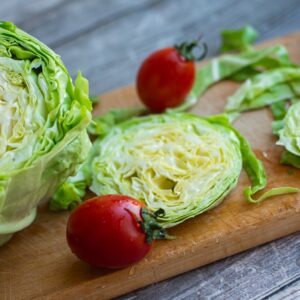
(43, 124)
(182, 163)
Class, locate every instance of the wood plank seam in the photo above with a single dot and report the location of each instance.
(41, 14)
(281, 288)
(104, 22)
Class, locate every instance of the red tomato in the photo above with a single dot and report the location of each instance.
(106, 231)
(166, 77)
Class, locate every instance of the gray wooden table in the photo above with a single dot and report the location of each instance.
(107, 41)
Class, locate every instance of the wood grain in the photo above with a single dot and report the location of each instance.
(40, 255)
(291, 292)
(107, 40)
(253, 274)
(117, 48)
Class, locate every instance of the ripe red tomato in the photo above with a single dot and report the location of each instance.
(166, 77)
(108, 231)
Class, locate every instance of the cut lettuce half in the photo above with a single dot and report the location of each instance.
(182, 163)
(43, 124)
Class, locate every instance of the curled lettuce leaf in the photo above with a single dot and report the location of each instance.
(43, 124)
(103, 123)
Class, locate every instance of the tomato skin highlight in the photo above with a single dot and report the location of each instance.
(165, 79)
(105, 233)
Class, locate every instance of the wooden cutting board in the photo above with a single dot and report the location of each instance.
(37, 263)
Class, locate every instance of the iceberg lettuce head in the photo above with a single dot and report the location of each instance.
(43, 124)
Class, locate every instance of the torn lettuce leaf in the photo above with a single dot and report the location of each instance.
(238, 39)
(289, 135)
(103, 123)
(290, 159)
(264, 89)
(234, 67)
(72, 191)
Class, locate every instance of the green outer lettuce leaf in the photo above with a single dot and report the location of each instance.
(279, 110)
(238, 40)
(291, 159)
(72, 191)
(103, 123)
(289, 135)
(43, 124)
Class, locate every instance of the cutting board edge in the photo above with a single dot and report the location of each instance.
(185, 264)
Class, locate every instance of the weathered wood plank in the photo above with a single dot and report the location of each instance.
(110, 55)
(254, 274)
(17, 11)
(107, 40)
(74, 19)
(290, 292)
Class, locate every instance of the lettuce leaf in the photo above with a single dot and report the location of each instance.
(239, 39)
(235, 67)
(72, 191)
(264, 89)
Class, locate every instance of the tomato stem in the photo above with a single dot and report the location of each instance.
(152, 229)
(186, 49)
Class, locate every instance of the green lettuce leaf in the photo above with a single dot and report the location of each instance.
(289, 135)
(235, 67)
(103, 123)
(72, 191)
(264, 89)
(239, 39)
(279, 110)
(291, 159)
